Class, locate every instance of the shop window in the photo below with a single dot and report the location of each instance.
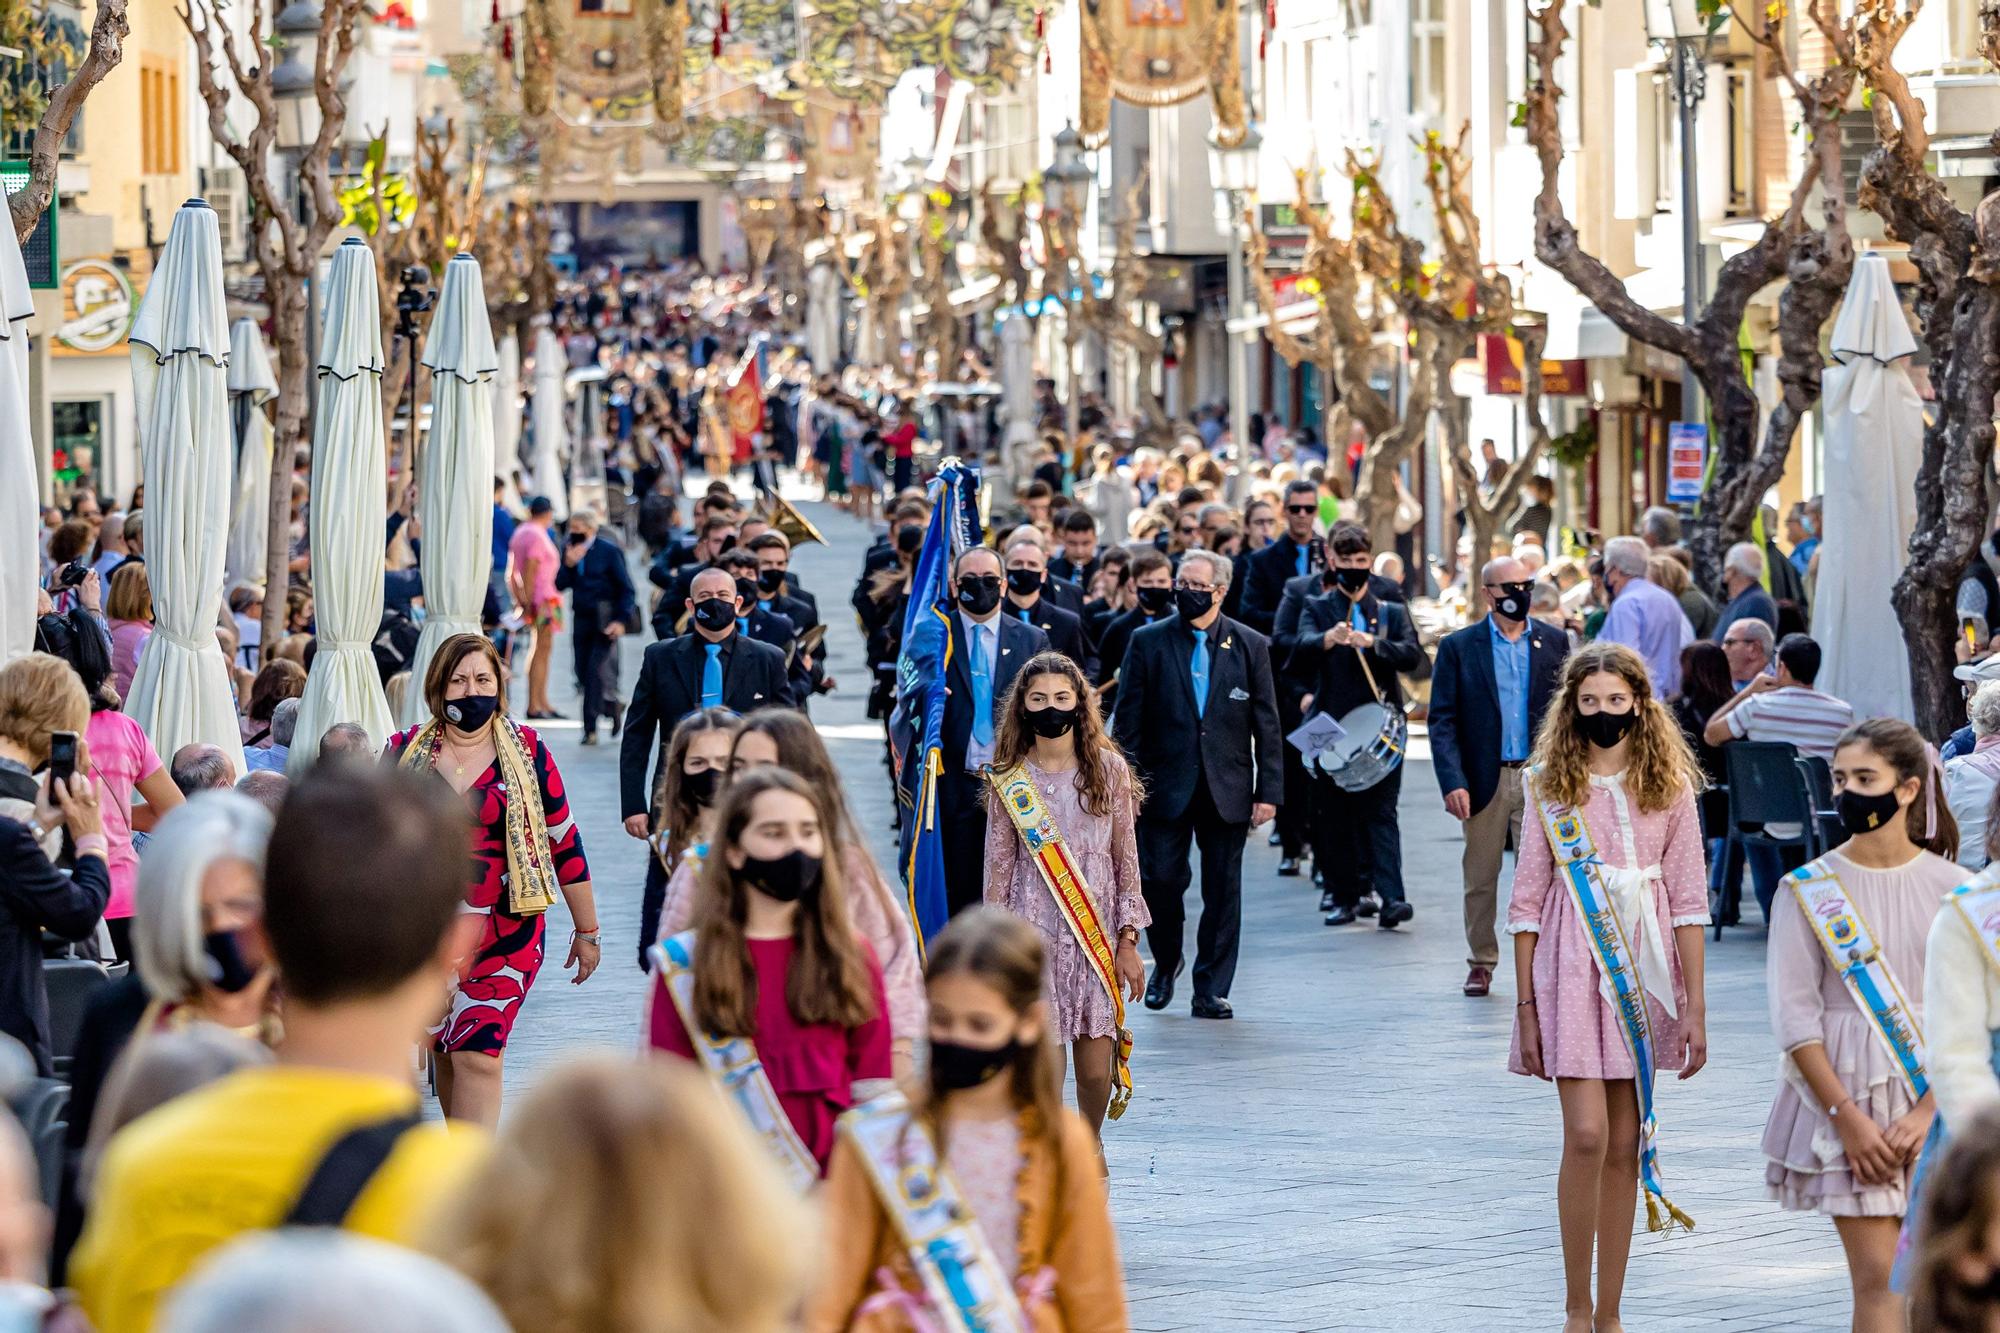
(76, 446)
(160, 120)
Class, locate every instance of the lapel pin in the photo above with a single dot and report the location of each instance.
(1226, 643)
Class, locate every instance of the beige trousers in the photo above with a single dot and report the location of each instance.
(1486, 837)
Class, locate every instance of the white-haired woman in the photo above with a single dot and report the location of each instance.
(1971, 780)
(198, 956)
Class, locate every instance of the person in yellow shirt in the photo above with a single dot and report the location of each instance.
(364, 876)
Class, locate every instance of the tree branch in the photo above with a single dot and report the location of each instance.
(108, 31)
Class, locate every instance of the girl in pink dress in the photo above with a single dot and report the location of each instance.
(1844, 1130)
(1049, 725)
(1612, 751)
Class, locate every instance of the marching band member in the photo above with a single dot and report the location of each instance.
(1062, 853)
(1847, 979)
(690, 779)
(1613, 842)
(803, 1046)
(1019, 1232)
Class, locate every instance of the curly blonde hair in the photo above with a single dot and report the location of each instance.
(1660, 768)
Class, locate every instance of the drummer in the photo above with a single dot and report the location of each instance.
(1356, 840)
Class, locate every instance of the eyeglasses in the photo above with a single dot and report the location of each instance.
(1185, 586)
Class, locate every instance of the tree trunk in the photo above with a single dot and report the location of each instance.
(288, 326)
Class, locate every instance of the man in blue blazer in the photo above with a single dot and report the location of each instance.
(1492, 682)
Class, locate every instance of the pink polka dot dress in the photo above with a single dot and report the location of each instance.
(1580, 1032)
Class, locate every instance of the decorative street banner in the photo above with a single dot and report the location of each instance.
(604, 51)
(1160, 53)
(1687, 461)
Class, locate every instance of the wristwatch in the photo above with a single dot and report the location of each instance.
(595, 937)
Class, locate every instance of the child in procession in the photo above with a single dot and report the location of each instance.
(1848, 1120)
(1050, 730)
(1024, 1167)
(1609, 752)
(774, 961)
(691, 777)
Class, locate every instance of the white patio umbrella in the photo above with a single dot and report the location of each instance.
(349, 520)
(1874, 443)
(507, 418)
(181, 690)
(1017, 383)
(20, 557)
(455, 473)
(545, 468)
(251, 385)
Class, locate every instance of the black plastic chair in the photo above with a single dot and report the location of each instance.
(1828, 831)
(71, 982)
(41, 1107)
(1766, 787)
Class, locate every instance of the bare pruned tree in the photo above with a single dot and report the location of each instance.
(108, 31)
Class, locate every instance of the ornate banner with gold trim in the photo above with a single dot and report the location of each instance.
(1159, 53)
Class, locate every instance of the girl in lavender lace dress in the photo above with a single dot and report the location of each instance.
(1049, 727)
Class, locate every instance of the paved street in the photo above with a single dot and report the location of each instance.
(1350, 1152)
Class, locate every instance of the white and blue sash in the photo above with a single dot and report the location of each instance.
(1857, 958)
(733, 1063)
(1610, 944)
(964, 1284)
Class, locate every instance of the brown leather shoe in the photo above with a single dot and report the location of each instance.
(1479, 981)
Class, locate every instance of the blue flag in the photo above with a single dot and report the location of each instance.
(917, 727)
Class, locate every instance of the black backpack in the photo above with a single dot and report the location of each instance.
(344, 1172)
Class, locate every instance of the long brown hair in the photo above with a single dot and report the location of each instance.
(1906, 751)
(828, 980)
(801, 751)
(1660, 768)
(1959, 1207)
(1097, 756)
(674, 811)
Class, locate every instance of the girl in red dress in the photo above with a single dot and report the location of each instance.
(776, 960)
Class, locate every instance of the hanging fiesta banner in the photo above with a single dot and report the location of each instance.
(843, 144)
(1159, 53)
(621, 54)
(989, 44)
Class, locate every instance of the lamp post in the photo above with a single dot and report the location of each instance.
(1679, 24)
(1066, 187)
(293, 87)
(1232, 170)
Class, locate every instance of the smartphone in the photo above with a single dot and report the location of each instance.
(62, 755)
(578, 538)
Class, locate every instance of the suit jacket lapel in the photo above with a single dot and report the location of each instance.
(688, 662)
(1482, 662)
(1184, 649)
(961, 656)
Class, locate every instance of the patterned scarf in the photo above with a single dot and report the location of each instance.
(531, 872)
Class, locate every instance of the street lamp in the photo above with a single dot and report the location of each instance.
(1067, 183)
(1680, 24)
(1232, 170)
(294, 87)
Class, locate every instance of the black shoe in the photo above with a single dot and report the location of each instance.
(1288, 866)
(1340, 916)
(589, 738)
(1395, 914)
(1275, 840)
(1326, 900)
(617, 717)
(1204, 1007)
(1319, 876)
(1160, 990)
(1369, 905)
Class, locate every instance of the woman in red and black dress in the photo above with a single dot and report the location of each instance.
(524, 853)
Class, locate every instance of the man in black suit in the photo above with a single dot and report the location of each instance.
(1492, 683)
(1357, 842)
(772, 627)
(1198, 718)
(777, 594)
(1080, 558)
(1152, 576)
(714, 666)
(603, 605)
(1295, 552)
(1027, 581)
(987, 649)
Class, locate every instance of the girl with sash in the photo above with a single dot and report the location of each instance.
(771, 993)
(691, 777)
(525, 851)
(1610, 900)
(1062, 853)
(974, 1201)
(1846, 978)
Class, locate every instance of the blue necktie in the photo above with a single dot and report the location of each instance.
(1028, 614)
(711, 676)
(982, 690)
(765, 607)
(1198, 669)
(1301, 566)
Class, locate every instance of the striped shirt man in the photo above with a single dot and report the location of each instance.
(1807, 718)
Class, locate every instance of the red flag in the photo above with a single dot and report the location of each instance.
(745, 405)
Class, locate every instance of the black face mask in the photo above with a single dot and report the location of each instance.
(1605, 730)
(1024, 582)
(228, 970)
(746, 591)
(787, 878)
(1154, 601)
(979, 593)
(1865, 814)
(1050, 723)
(955, 1067)
(471, 713)
(1192, 606)
(910, 540)
(700, 787)
(717, 613)
(1351, 580)
(770, 580)
(1512, 603)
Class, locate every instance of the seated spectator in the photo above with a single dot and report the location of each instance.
(311, 1280)
(283, 725)
(346, 740)
(1743, 584)
(266, 788)
(1970, 676)
(129, 612)
(553, 1199)
(1785, 706)
(366, 870)
(1972, 780)
(1751, 647)
(277, 681)
(246, 608)
(199, 766)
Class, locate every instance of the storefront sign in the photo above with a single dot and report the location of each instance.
(1501, 356)
(1687, 461)
(98, 308)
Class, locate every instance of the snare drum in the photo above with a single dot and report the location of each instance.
(1370, 751)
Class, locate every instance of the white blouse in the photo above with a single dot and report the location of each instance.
(1961, 1014)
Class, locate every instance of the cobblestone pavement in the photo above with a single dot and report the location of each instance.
(1350, 1152)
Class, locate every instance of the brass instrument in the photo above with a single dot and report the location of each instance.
(781, 515)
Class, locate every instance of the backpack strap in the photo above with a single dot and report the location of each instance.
(344, 1172)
